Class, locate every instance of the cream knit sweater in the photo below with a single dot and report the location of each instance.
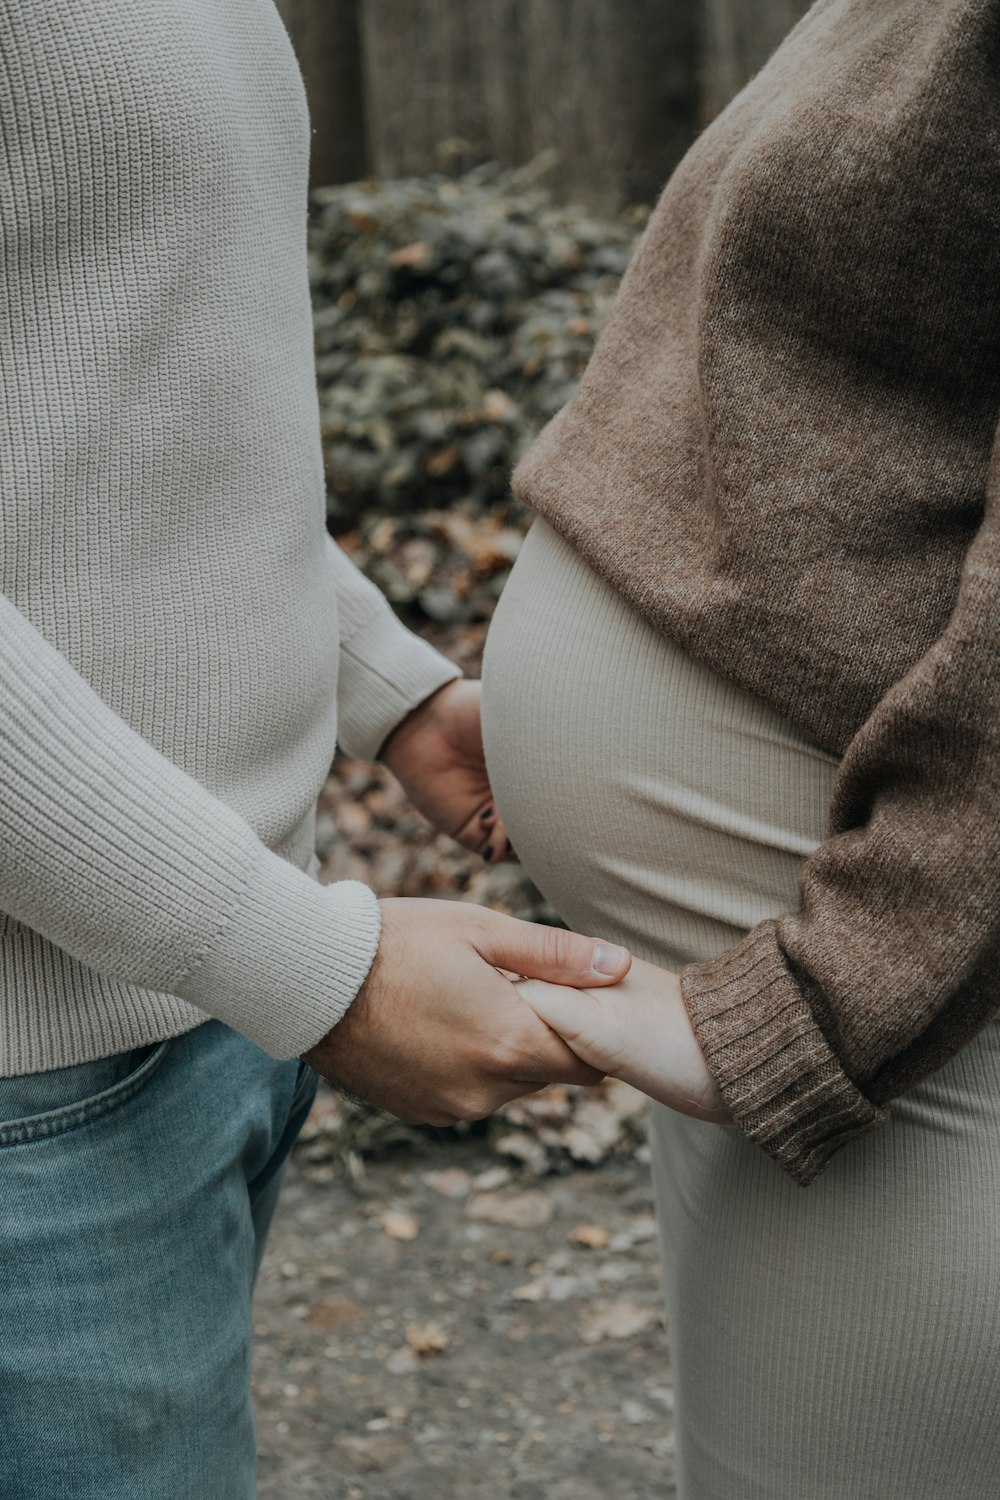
(178, 636)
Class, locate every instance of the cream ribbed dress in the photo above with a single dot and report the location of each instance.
(835, 1342)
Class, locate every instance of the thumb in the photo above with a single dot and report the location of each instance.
(550, 952)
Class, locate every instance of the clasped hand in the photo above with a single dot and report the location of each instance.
(438, 1034)
(638, 1030)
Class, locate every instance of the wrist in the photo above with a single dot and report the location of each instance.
(419, 719)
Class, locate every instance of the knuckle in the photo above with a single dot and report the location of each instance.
(555, 948)
(507, 1054)
(479, 923)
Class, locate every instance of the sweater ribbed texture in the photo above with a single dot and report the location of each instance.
(782, 455)
(177, 632)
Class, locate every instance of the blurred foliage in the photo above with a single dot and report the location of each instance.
(453, 317)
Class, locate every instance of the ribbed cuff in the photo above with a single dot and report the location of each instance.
(290, 960)
(774, 1067)
(385, 672)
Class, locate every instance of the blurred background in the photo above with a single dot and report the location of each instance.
(617, 88)
(473, 1313)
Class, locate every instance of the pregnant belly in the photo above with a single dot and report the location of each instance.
(652, 802)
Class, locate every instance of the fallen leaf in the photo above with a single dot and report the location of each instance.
(582, 1146)
(641, 1230)
(426, 1339)
(590, 1236)
(616, 1320)
(411, 255)
(372, 1452)
(442, 462)
(334, 1312)
(597, 1128)
(522, 1147)
(497, 406)
(532, 1291)
(450, 1182)
(399, 1225)
(528, 1210)
(490, 1179)
(402, 1362)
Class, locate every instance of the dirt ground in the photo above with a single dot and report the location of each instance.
(443, 1330)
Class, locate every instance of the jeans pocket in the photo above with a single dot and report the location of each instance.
(40, 1105)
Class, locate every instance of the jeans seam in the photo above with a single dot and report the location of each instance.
(73, 1116)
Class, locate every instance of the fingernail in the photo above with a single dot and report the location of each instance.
(608, 959)
(488, 852)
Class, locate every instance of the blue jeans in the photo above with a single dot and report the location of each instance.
(135, 1196)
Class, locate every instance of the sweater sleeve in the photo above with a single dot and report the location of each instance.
(120, 858)
(814, 1022)
(385, 670)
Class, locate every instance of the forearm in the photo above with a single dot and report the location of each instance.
(815, 1021)
(114, 854)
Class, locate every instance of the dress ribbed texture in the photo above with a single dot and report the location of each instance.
(177, 632)
(783, 454)
(835, 1344)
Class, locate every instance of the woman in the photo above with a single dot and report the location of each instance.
(742, 712)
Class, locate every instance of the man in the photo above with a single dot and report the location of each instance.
(180, 647)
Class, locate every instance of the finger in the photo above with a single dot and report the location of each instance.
(484, 833)
(586, 1023)
(493, 842)
(554, 1062)
(527, 1050)
(572, 1014)
(549, 952)
(499, 844)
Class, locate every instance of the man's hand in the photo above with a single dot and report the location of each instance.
(437, 1035)
(436, 754)
(639, 1031)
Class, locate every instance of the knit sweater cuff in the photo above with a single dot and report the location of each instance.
(773, 1064)
(291, 958)
(385, 672)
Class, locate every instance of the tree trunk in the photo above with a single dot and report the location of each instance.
(326, 38)
(609, 85)
(612, 86)
(421, 83)
(738, 36)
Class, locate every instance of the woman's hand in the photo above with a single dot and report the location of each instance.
(637, 1030)
(436, 754)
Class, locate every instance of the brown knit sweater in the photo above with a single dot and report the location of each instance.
(783, 455)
